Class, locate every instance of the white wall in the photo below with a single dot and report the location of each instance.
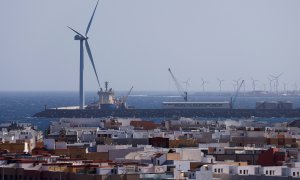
(221, 169)
(272, 170)
(248, 170)
(295, 172)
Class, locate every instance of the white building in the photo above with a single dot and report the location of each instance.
(275, 171)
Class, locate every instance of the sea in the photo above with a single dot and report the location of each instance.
(21, 106)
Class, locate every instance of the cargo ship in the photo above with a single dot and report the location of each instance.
(109, 106)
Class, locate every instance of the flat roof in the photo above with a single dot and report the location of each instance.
(224, 102)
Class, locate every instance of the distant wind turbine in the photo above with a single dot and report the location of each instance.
(285, 87)
(265, 87)
(203, 84)
(84, 38)
(296, 87)
(254, 84)
(220, 85)
(276, 78)
(270, 84)
(187, 83)
(236, 83)
(244, 88)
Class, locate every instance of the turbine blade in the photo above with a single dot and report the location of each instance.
(89, 25)
(75, 31)
(91, 58)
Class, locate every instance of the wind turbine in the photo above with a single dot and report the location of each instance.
(236, 84)
(203, 84)
(276, 78)
(285, 87)
(265, 87)
(220, 84)
(84, 39)
(270, 84)
(254, 84)
(187, 83)
(244, 88)
(295, 87)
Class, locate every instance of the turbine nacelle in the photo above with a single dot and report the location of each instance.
(79, 37)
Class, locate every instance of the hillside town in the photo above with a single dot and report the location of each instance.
(184, 148)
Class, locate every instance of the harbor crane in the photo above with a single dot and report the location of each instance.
(123, 100)
(233, 98)
(179, 87)
(126, 97)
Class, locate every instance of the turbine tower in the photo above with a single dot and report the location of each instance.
(276, 78)
(220, 84)
(203, 84)
(295, 87)
(254, 84)
(84, 39)
(265, 87)
(244, 88)
(236, 84)
(285, 88)
(271, 84)
(187, 83)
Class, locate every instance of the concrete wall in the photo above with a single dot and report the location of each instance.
(191, 154)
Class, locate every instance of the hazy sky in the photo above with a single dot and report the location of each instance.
(134, 42)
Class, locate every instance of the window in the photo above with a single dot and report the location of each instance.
(266, 172)
(244, 171)
(294, 174)
(215, 170)
(241, 171)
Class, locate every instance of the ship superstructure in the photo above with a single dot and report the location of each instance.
(106, 98)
